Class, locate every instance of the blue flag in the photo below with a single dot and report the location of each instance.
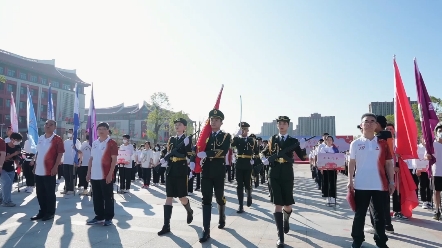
(76, 122)
(32, 124)
(51, 114)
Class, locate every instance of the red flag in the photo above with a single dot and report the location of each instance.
(406, 144)
(205, 133)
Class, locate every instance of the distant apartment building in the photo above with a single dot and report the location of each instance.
(315, 124)
(384, 108)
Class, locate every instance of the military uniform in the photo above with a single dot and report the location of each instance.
(262, 172)
(281, 176)
(213, 175)
(257, 164)
(177, 174)
(246, 148)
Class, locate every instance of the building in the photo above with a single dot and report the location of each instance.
(316, 124)
(20, 73)
(271, 128)
(384, 108)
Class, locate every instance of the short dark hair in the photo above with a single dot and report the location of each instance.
(16, 136)
(329, 136)
(71, 129)
(55, 123)
(368, 115)
(324, 134)
(103, 124)
(127, 136)
(438, 127)
(389, 124)
(87, 136)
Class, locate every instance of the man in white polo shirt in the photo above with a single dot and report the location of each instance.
(50, 149)
(100, 173)
(68, 162)
(373, 157)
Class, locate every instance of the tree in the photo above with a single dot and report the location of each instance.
(180, 114)
(437, 104)
(2, 79)
(158, 115)
(390, 118)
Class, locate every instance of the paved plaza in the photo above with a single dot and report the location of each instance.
(139, 216)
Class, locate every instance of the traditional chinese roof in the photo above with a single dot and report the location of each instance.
(44, 67)
(130, 109)
(111, 110)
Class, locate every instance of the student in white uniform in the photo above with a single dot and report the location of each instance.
(146, 159)
(437, 170)
(68, 162)
(125, 170)
(82, 170)
(329, 176)
(424, 181)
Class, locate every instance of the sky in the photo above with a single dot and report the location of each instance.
(290, 58)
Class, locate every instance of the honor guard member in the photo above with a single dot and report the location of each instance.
(257, 163)
(281, 176)
(177, 173)
(245, 147)
(261, 147)
(214, 172)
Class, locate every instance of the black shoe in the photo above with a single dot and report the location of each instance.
(222, 216)
(389, 229)
(167, 215)
(205, 236)
(207, 215)
(37, 217)
(436, 216)
(286, 221)
(279, 226)
(240, 195)
(240, 210)
(189, 212)
(197, 189)
(249, 197)
(47, 217)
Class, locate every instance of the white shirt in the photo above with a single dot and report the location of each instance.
(86, 150)
(48, 150)
(130, 149)
(370, 156)
(436, 168)
(327, 149)
(69, 153)
(156, 157)
(7, 140)
(101, 154)
(285, 136)
(146, 157)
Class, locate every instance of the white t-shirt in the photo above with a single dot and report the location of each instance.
(145, 157)
(86, 150)
(69, 153)
(101, 154)
(436, 168)
(48, 150)
(130, 149)
(327, 149)
(156, 157)
(370, 156)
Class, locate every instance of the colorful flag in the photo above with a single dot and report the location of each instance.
(406, 145)
(427, 114)
(32, 123)
(91, 119)
(51, 114)
(205, 133)
(76, 122)
(13, 115)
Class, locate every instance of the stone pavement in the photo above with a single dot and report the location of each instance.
(139, 216)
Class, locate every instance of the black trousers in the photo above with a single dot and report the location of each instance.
(68, 174)
(386, 212)
(198, 181)
(60, 171)
(82, 173)
(29, 175)
(425, 189)
(159, 175)
(362, 200)
(147, 174)
(329, 183)
(45, 189)
(319, 176)
(396, 202)
(125, 176)
(229, 172)
(233, 171)
(243, 178)
(140, 171)
(209, 185)
(103, 199)
(133, 171)
(416, 181)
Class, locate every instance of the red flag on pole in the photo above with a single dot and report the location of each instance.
(205, 133)
(406, 144)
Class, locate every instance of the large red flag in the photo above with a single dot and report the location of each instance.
(406, 144)
(205, 133)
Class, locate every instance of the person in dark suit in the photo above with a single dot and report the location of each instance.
(214, 172)
(281, 176)
(177, 173)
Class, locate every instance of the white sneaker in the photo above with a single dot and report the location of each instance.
(80, 191)
(57, 181)
(425, 205)
(369, 230)
(126, 191)
(29, 189)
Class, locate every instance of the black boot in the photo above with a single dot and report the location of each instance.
(279, 227)
(249, 197)
(189, 212)
(263, 180)
(167, 215)
(240, 200)
(286, 221)
(222, 216)
(256, 182)
(207, 215)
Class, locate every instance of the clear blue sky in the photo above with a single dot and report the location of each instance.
(289, 58)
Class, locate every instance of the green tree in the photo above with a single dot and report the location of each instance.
(158, 115)
(437, 104)
(390, 118)
(2, 79)
(180, 114)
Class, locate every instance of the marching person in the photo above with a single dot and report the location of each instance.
(214, 172)
(125, 170)
(281, 176)
(156, 162)
(245, 147)
(146, 160)
(177, 173)
(329, 176)
(257, 163)
(437, 169)
(83, 168)
(27, 168)
(50, 149)
(261, 147)
(101, 166)
(229, 164)
(424, 180)
(68, 162)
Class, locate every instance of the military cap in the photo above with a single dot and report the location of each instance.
(381, 120)
(182, 120)
(216, 113)
(243, 124)
(252, 136)
(259, 138)
(283, 118)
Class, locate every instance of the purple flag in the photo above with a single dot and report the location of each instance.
(91, 119)
(427, 114)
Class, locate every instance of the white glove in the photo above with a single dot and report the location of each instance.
(164, 165)
(239, 132)
(186, 141)
(302, 143)
(162, 161)
(252, 162)
(192, 166)
(190, 175)
(201, 155)
(265, 161)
